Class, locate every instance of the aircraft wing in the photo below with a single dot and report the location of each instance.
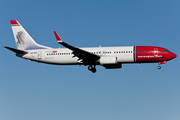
(86, 56)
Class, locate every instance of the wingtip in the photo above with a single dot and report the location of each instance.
(57, 37)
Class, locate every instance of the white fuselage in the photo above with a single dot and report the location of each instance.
(63, 56)
(108, 57)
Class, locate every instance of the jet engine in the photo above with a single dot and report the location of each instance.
(108, 60)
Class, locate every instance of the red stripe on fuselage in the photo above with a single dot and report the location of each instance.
(147, 54)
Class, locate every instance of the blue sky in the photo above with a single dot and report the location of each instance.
(36, 91)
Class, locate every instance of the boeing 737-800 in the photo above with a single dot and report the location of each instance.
(108, 57)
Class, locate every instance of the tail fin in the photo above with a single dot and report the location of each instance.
(23, 40)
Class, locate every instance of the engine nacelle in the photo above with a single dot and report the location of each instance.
(104, 60)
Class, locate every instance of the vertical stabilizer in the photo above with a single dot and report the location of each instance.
(23, 40)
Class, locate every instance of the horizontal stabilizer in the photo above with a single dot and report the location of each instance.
(16, 50)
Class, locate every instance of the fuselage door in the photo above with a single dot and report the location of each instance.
(39, 54)
(155, 52)
(156, 57)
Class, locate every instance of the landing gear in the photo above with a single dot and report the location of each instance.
(162, 62)
(159, 67)
(92, 69)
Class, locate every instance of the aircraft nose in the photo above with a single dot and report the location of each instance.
(173, 55)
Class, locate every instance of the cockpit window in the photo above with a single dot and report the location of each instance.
(165, 50)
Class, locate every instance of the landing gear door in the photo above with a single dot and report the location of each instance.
(39, 55)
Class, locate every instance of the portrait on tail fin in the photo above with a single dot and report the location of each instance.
(20, 40)
(23, 40)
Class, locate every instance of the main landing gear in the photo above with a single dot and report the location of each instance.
(92, 69)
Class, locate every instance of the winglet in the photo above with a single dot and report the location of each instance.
(57, 37)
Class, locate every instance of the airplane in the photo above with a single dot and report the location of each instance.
(108, 57)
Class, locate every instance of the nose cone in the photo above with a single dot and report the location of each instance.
(173, 55)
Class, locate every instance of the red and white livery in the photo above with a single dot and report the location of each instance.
(109, 57)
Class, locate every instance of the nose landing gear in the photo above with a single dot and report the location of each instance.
(162, 62)
(92, 69)
(159, 67)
